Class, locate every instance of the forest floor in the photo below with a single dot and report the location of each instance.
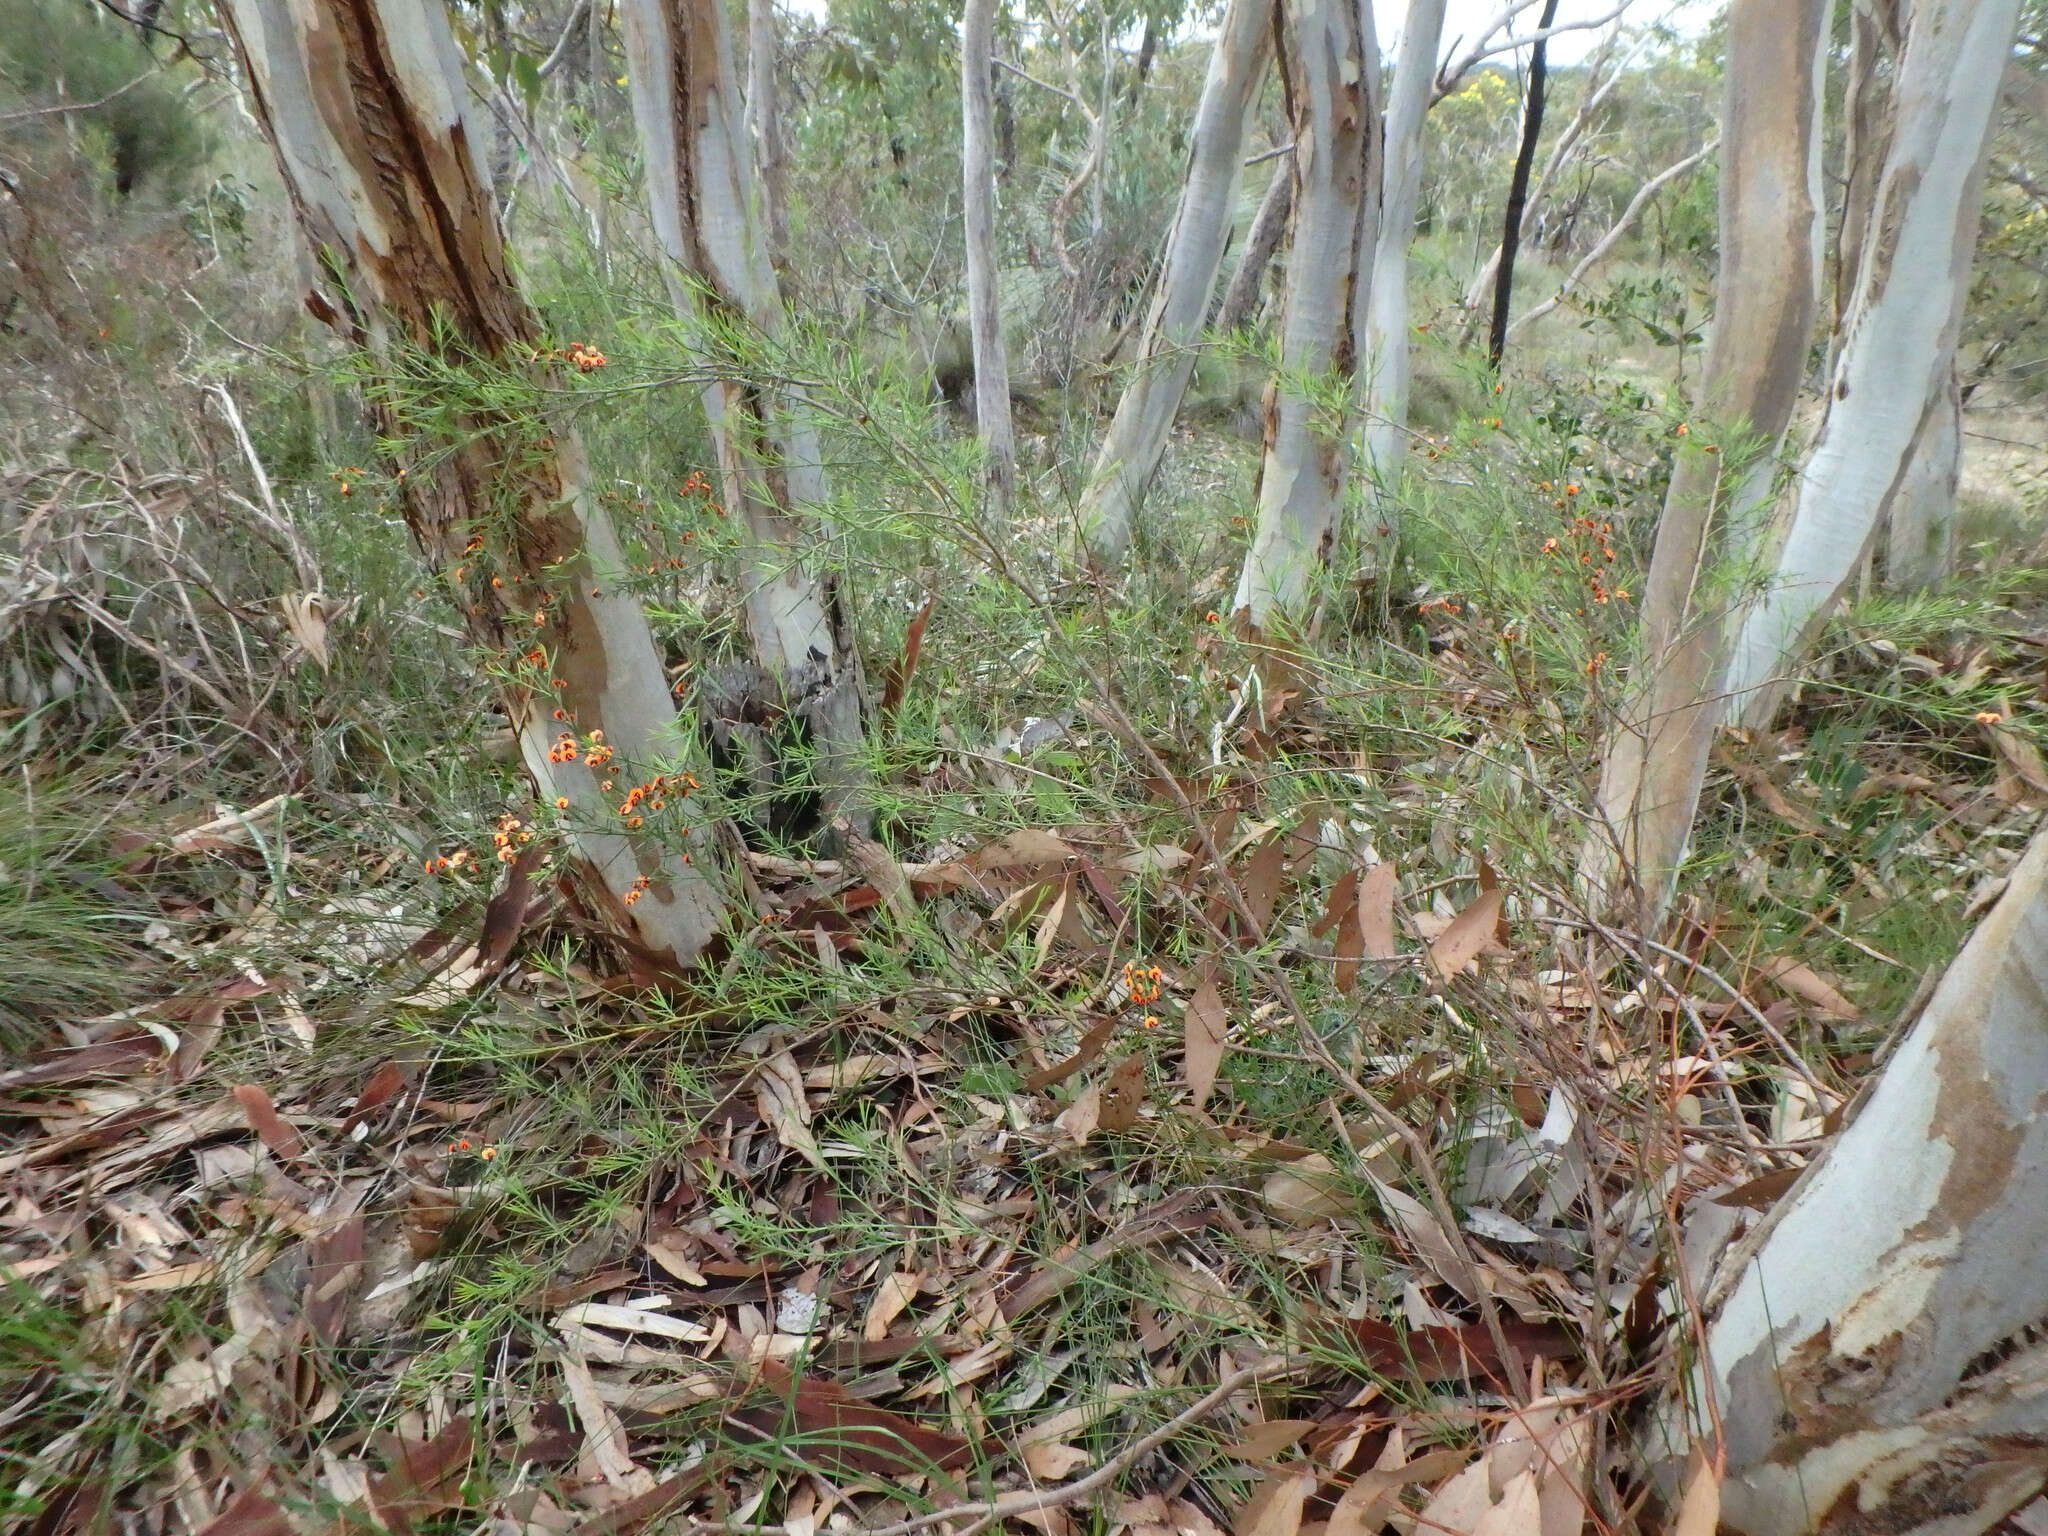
(1209, 1110)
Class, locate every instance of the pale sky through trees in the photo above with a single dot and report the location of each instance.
(1464, 18)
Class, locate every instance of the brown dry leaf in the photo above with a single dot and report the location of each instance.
(1443, 1253)
(1468, 935)
(895, 1293)
(1123, 1096)
(1338, 915)
(1338, 905)
(1517, 1514)
(505, 916)
(2021, 756)
(1365, 1505)
(1206, 1028)
(380, 1090)
(598, 1314)
(305, 615)
(604, 1434)
(1261, 883)
(1264, 1442)
(1459, 1505)
(1309, 1190)
(1699, 1511)
(841, 1436)
(896, 679)
(1376, 893)
(1026, 848)
(1090, 1047)
(779, 1095)
(1050, 923)
(1809, 985)
(276, 1132)
(1052, 1463)
(1459, 1352)
(334, 1272)
(1274, 1509)
(1080, 1118)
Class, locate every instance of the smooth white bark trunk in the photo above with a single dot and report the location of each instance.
(704, 201)
(1331, 66)
(1899, 331)
(1137, 435)
(1768, 295)
(764, 126)
(1390, 369)
(978, 207)
(1920, 539)
(366, 106)
(1879, 1362)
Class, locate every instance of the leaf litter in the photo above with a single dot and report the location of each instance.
(588, 1248)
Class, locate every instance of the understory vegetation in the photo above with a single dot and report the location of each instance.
(1193, 1078)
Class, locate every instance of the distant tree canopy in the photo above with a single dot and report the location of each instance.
(132, 116)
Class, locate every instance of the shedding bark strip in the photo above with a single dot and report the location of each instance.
(365, 105)
(1880, 1362)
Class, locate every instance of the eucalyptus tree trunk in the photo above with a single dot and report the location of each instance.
(704, 199)
(764, 127)
(1389, 370)
(1137, 434)
(1878, 1351)
(1330, 63)
(365, 104)
(1866, 136)
(1920, 531)
(1898, 334)
(1767, 299)
(978, 208)
(1269, 226)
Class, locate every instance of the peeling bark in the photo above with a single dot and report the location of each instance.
(365, 105)
(1898, 336)
(984, 302)
(1768, 296)
(1330, 65)
(1866, 138)
(1879, 1361)
(1137, 434)
(1390, 375)
(704, 197)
